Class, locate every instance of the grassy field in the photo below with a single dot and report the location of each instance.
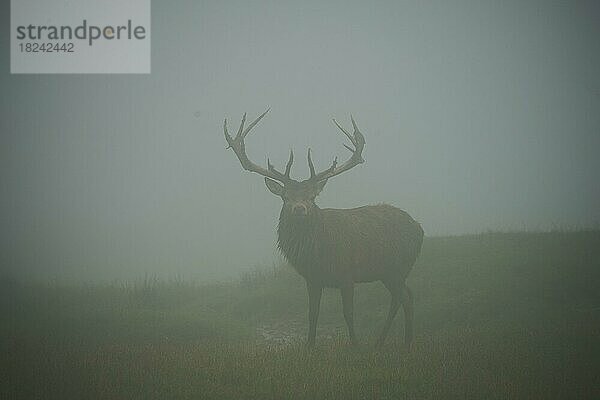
(497, 316)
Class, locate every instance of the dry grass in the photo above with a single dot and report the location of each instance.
(498, 316)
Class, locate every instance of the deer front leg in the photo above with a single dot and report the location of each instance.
(314, 301)
(347, 292)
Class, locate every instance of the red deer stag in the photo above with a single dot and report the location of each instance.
(339, 247)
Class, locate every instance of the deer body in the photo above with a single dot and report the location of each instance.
(339, 247)
(334, 247)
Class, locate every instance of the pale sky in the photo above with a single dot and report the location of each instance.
(478, 115)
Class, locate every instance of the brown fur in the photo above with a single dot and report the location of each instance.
(334, 247)
(341, 247)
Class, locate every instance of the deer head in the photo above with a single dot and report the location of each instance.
(298, 196)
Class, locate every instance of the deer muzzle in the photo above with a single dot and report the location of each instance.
(299, 210)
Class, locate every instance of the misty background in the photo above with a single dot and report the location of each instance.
(477, 116)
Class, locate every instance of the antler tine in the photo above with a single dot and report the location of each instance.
(227, 135)
(343, 130)
(348, 147)
(353, 123)
(311, 166)
(358, 136)
(288, 166)
(245, 132)
(357, 139)
(239, 148)
(241, 129)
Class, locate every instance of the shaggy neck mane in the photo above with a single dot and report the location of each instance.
(299, 237)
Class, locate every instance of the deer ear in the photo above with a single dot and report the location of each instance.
(274, 186)
(320, 186)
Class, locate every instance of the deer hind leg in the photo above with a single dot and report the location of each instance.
(347, 292)
(314, 303)
(407, 304)
(396, 292)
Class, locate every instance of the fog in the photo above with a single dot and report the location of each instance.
(477, 116)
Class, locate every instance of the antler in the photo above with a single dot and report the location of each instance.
(357, 139)
(239, 148)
